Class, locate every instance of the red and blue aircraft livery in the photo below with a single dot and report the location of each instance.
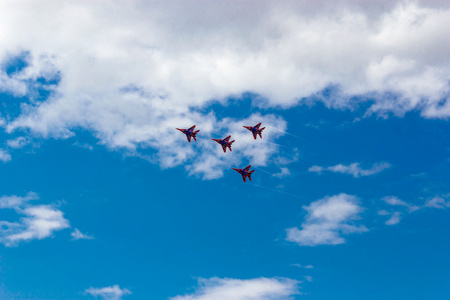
(255, 130)
(245, 172)
(190, 133)
(225, 143)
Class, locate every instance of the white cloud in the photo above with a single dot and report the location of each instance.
(37, 221)
(300, 266)
(18, 142)
(383, 212)
(394, 219)
(392, 200)
(16, 201)
(40, 221)
(353, 169)
(327, 220)
(12, 85)
(4, 156)
(308, 278)
(437, 202)
(396, 216)
(108, 293)
(131, 73)
(237, 289)
(84, 146)
(283, 173)
(77, 235)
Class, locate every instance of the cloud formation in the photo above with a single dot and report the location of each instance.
(353, 169)
(108, 293)
(4, 156)
(327, 220)
(18, 142)
(37, 221)
(130, 73)
(394, 219)
(440, 202)
(394, 201)
(77, 235)
(237, 289)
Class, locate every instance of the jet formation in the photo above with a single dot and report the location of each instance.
(226, 143)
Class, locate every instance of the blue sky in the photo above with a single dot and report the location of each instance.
(101, 198)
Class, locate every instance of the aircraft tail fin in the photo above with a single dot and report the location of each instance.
(250, 174)
(194, 134)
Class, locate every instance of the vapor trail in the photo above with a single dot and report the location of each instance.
(296, 136)
(281, 192)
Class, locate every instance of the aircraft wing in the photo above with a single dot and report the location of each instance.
(192, 128)
(257, 125)
(254, 134)
(243, 177)
(247, 167)
(224, 147)
(188, 137)
(227, 138)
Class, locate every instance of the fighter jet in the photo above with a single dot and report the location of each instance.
(245, 172)
(255, 130)
(190, 133)
(225, 143)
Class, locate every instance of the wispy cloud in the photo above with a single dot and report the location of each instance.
(396, 216)
(383, 212)
(77, 235)
(4, 156)
(327, 220)
(14, 201)
(84, 146)
(108, 293)
(283, 173)
(394, 219)
(237, 289)
(18, 142)
(301, 266)
(353, 169)
(392, 200)
(37, 221)
(438, 202)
